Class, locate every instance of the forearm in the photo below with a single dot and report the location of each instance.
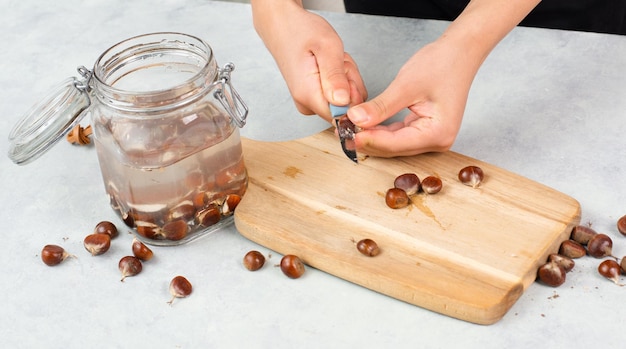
(266, 13)
(309, 54)
(483, 24)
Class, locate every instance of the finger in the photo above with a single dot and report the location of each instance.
(356, 89)
(355, 97)
(305, 89)
(423, 135)
(335, 85)
(380, 108)
(303, 109)
(356, 94)
(394, 126)
(353, 74)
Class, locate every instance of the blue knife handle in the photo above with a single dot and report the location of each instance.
(336, 110)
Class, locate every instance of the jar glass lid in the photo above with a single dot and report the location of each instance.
(47, 122)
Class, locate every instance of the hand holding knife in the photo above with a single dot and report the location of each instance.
(346, 130)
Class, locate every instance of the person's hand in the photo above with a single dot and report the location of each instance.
(310, 56)
(433, 85)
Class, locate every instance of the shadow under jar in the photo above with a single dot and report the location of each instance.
(166, 125)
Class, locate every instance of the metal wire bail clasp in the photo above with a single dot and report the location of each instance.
(84, 85)
(229, 98)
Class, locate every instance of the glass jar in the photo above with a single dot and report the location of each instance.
(166, 124)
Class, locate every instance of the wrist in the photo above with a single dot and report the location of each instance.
(483, 24)
(270, 15)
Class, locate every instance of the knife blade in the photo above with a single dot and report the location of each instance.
(346, 130)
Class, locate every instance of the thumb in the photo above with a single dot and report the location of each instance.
(378, 109)
(334, 80)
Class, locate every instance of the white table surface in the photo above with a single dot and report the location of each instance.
(549, 105)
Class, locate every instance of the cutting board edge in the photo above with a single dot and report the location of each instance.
(556, 243)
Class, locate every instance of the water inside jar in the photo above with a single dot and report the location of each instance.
(170, 179)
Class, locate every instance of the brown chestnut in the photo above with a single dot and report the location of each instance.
(208, 216)
(431, 185)
(199, 199)
(600, 245)
(368, 247)
(180, 287)
(566, 262)
(184, 210)
(230, 203)
(572, 249)
(106, 227)
(582, 234)
(551, 274)
(148, 230)
(141, 251)
(409, 182)
(175, 230)
(97, 244)
(611, 270)
(621, 225)
(622, 265)
(253, 260)
(292, 266)
(128, 219)
(52, 255)
(396, 198)
(471, 175)
(129, 266)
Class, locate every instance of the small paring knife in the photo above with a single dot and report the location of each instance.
(346, 130)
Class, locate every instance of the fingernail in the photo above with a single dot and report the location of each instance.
(358, 115)
(341, 97)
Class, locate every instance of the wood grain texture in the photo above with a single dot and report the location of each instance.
(464, 252)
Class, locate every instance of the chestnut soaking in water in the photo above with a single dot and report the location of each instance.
(160, 172)
(167, 137)
(166, 125)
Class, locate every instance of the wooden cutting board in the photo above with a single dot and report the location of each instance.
(464, 252)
